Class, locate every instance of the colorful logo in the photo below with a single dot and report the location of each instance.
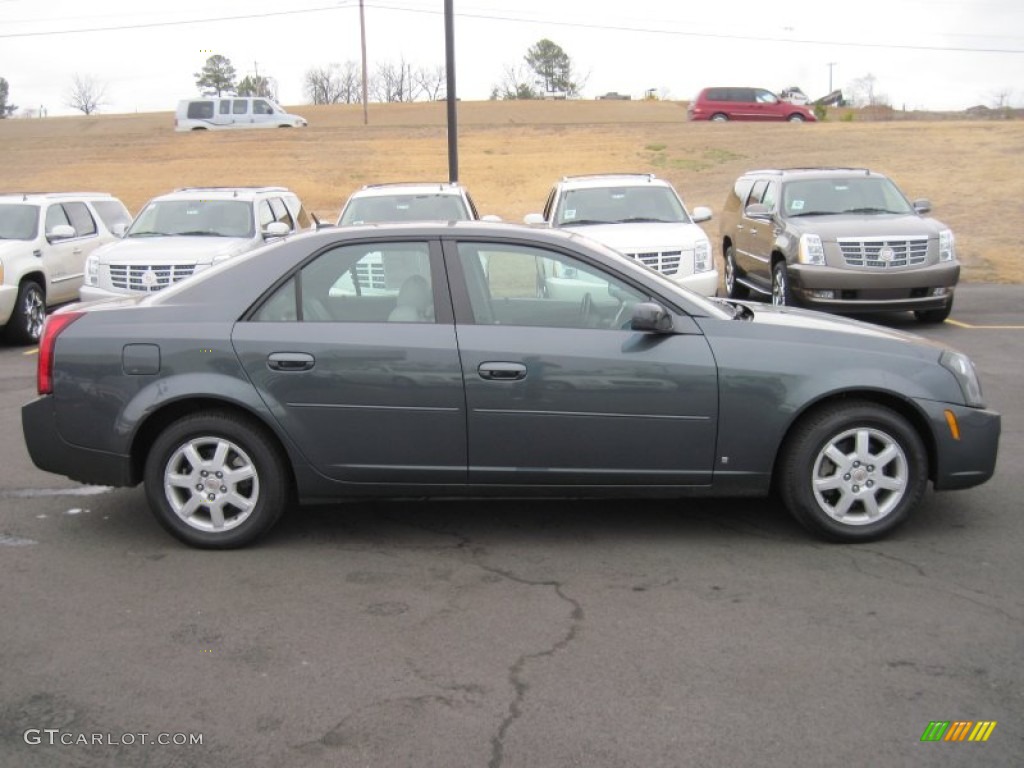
(959, 730)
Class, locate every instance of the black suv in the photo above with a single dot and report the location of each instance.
(840, 239)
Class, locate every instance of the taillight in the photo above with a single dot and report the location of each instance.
(55, 323)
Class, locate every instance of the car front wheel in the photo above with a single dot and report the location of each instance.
(781, 296)
(26, 323)
(796, 118)
(216, 481)
(853, 472)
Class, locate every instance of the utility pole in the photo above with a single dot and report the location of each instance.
(830, 65)
(362, 36)
(453, 123)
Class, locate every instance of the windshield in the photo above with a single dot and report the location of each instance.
(428, 207)
(822, 197)
(616, 205)
(214, 218)
(19, 222)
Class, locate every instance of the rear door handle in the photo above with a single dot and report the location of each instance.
(290, 361)
(501, 371)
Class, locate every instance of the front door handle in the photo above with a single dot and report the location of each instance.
(290, 361)
(501, 371)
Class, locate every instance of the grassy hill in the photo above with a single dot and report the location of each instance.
(510, 152)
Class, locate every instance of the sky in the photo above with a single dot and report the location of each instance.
(920, 54)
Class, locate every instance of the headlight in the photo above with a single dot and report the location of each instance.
(702, 256)
(946, 249)
(92, 269)
(962, 368)
(811, 250)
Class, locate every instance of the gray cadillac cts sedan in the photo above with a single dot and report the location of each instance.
(477, 359)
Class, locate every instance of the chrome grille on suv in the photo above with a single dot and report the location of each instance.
(666, 262)
(148, 277)
(371, 275)
(884, 253)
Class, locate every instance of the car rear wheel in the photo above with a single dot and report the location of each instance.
(719, 117)
(934, 315)
(733, 288)
(26, 322)
(781, 296)
(852, 472)
(216, 481)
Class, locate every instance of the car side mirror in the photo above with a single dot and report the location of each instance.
(650, 317)
(923, 205)
(61, 232)
(758, 211)
(700, 213)
(119, 229)
(490, 217)
(276, 229)
(535, 219)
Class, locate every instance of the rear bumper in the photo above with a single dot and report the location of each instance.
(51, 453)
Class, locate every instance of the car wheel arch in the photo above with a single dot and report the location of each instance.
(830, 401)
(161, 418)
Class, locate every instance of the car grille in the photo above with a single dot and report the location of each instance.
(148, 277)
(884, 253)
(666, 262)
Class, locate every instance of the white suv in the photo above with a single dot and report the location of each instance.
(641, 217)
(44, 242)
(410, 201)
(184, 232)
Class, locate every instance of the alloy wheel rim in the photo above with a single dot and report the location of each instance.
(35, 314)
(211, 484)
(860, 476)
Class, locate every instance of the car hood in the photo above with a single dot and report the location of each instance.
(642, 235)
(866, 226)
(813, 320)
(172, 250)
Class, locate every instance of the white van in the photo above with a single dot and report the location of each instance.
(219, 112)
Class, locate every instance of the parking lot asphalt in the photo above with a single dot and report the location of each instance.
(517, 634)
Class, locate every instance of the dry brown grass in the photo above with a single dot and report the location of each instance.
(510, 152)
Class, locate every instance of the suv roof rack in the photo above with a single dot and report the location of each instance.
(439, 184)
(645, 174)
(235, 188)
(812, 168)
(24, 194)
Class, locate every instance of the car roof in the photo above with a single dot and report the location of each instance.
(597, 180)
(815, 173)
(409, 188)
(26, 197)
(221, 193)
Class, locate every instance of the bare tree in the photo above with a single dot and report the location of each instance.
(333, 84)
(1001, 98)
(393, 82)
(516, 83)
(86, 94)
(864, 93)
(431, 83)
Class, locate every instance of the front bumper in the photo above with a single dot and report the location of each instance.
(8, 297)
(861, 291)
(51, 453)
(970, 460)
(704, 283)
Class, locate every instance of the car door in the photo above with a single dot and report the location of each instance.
(559, 391)
(65, 258)
(750, 259)
(361, 373)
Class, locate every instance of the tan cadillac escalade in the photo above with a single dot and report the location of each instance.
(837, 239)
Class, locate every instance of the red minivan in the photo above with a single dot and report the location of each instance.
(721, 104)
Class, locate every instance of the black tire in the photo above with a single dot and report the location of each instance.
(781, 294)
(852, 472)
(25, 325)
(795, 118)
(733, 288)
(934, 315)
(248, 505)
(719, 117)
